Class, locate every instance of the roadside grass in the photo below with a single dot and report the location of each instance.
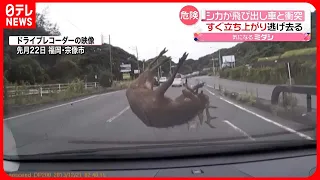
(287, 101)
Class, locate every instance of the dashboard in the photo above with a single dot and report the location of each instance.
(285, 163)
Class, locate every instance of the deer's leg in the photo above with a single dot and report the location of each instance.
(153, 62)
(186, 85)
(213, 107)
(157, 58)
(194, 89)
(209, 118)
(190, 95)
(200, 116)
(165, 86)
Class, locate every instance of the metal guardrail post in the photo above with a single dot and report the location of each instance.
(309, 108)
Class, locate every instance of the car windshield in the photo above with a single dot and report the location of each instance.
(85, 81)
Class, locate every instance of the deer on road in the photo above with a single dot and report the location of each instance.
(155, 109)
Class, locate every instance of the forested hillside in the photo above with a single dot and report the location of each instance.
(39, 69)
(249, 52)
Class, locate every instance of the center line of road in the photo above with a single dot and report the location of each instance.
(117, 115)
(266, 119)
(239, 130)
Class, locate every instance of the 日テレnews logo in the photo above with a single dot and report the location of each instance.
(20, 15)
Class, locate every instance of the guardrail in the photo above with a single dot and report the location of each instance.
(308, 90)
(43, 89)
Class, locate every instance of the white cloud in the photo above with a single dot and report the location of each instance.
(149, 26)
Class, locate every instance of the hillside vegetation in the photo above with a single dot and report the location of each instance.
(268, 61)
(43, 69)
(250, 52)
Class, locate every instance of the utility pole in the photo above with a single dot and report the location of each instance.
(160, 69)
(213, 68)
(135, 48)
(110, 55)
(219, 60)
(289, 73)
(213, 59)
(143, 64)
(170, 68)
(158, 63)
(138, 59)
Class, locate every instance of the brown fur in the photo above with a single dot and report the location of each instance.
(203, 98)
(153, 108)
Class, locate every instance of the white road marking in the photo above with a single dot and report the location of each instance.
(239, 130)
(45, 109)
(266, 119)
(117, 115)
(211, 87)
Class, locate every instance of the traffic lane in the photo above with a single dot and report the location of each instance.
(256, 123)
(225, 124)
(264, 91)
(123, 128)
(128, 128)
(62, 120)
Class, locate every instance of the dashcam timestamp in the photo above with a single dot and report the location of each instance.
(58, 174)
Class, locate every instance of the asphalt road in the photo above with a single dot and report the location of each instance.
(106, 121)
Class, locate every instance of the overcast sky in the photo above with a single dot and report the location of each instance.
(149, 26)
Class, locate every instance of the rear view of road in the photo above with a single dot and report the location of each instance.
(105, 120)
(261, 90)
